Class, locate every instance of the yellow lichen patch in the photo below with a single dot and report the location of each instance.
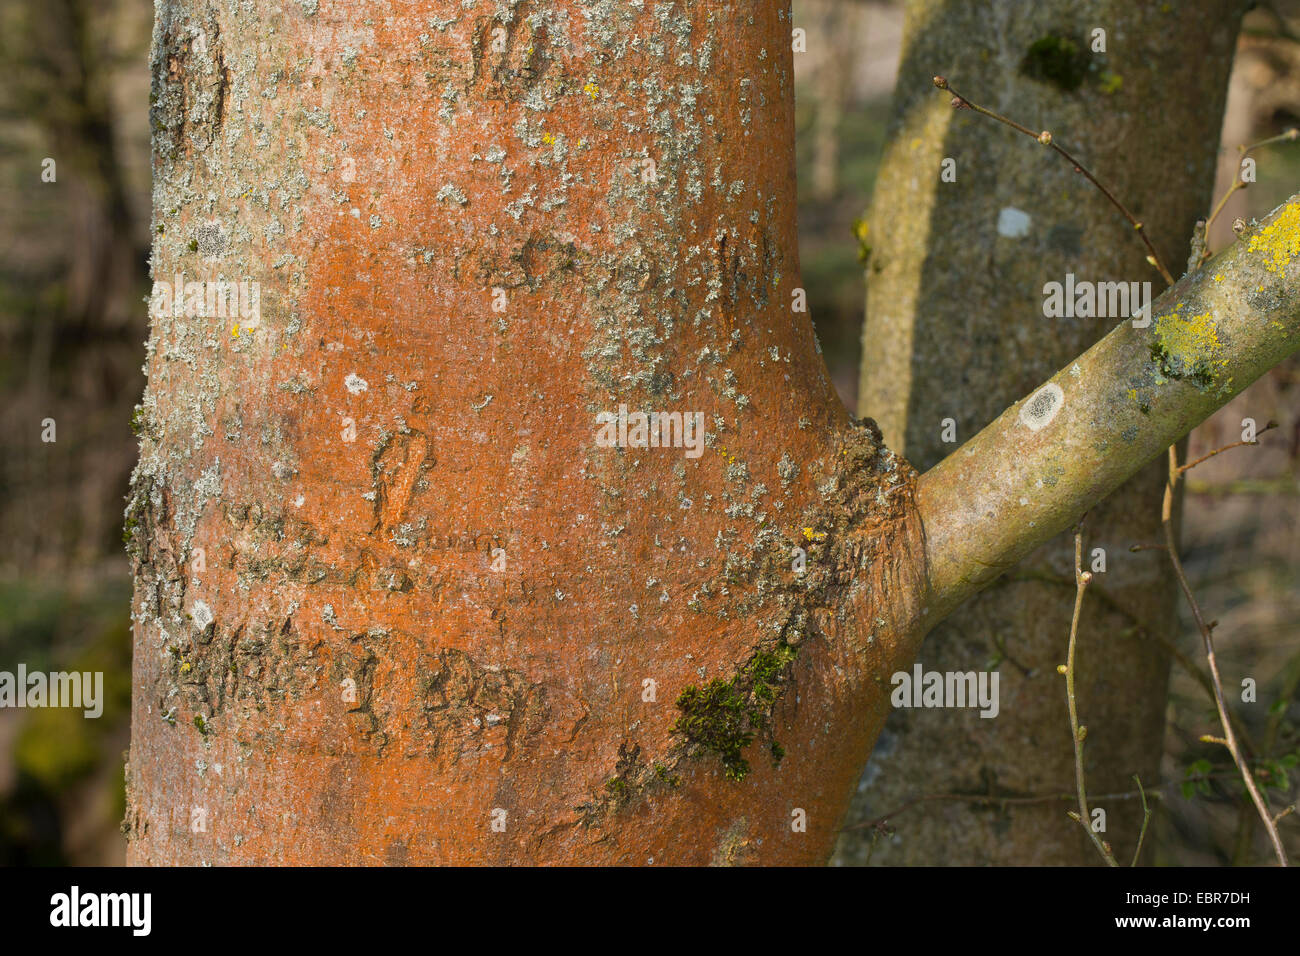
(1188, 346)
(1279, 240)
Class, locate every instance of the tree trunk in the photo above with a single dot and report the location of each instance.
(956, 330)
(397, 598)
(475, 231)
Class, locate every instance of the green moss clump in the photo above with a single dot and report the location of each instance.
(137, 421)
(725, 716)
(1058, 60)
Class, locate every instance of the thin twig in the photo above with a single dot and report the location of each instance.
(1144, 630)
(1219, 451)
(1289, 135)
(1078, 733)
(1146, 818)
(1207, 636)
(1045, 138)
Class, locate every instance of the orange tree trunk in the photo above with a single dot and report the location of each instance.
(395, 602)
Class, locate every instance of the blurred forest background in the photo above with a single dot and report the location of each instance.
(73, 286)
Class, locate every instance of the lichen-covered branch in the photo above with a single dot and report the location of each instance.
(1044, 461)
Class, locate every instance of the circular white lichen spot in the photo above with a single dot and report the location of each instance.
(1041, 407)
(1013, 223)
(355, 384)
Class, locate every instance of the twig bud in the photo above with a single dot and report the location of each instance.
(1045, 137)
(941, 82)
(1060, 668)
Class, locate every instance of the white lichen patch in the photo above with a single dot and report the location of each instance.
(1041, 407)
(1013, 223)
(454, 193)
(355, 384)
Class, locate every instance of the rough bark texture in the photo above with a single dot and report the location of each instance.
(381, 169)
(955, 330)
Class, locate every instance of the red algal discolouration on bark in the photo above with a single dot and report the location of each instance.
(456, 613)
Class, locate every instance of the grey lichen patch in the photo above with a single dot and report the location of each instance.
(453, 193)
(787, 469)
(210, 240)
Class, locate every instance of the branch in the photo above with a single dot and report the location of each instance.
(1047, 459)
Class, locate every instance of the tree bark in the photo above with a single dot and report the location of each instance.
(381, 175)
(395, 600)
(956, 331)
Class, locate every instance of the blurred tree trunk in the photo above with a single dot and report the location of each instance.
(834, 39)
(72, 275)
(955, 331)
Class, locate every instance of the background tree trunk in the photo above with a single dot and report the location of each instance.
(955, 330)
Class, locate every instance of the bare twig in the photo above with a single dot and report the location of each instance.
(1045, 138)
(1146, 818)
(1218, 451)
(1142, 629)
(1207, 636)
(1237, 182)
(1078, 733)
